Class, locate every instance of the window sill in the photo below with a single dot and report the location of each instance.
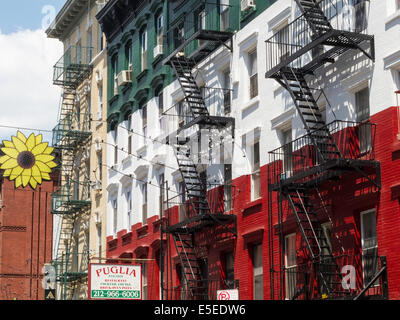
(251, 103)
(113, 99)
(392, 18)
(251, 206)
(126, 87)
(141, 74)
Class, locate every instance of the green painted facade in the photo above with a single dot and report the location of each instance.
(148, 83)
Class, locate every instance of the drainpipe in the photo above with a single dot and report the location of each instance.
(398, 114)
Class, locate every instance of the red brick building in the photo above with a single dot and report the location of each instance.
(26, 233)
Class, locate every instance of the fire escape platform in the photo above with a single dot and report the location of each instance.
(331, 169)
(208, 122)
(212, 40)
(339, 40)
(198, 222)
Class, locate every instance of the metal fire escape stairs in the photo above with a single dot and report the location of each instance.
(200, 215)
(293, 79)
(69, 136)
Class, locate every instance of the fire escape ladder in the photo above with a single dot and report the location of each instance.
(315, 17)
(294, 81)
(190, 268)
(193, 96)
(316, 242)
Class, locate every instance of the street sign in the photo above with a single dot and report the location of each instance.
(108, 281)
(228, 294)
(50, 294)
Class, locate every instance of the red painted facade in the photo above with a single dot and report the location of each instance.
(26, 233)
(346, 199)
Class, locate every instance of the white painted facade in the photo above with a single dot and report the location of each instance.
(264, 118)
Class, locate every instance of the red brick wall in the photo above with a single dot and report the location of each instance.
(346, 198)
(25, 240)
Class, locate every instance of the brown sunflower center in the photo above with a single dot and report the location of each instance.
(26, 159)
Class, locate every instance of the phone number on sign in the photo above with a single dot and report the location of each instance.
(115, 294)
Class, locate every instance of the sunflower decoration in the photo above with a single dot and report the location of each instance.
(27, 160)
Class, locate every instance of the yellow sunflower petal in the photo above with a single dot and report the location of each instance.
(7, 172)
(44, 158)
(33, 183)
(4, 158)
(16, 172)
(38, 149)
(51, 164)
(31, 142)
(8, 144)
(36, 174)
(43, 167)
(12, 152)
(48, 150)
(21, 136)
(26, 176)
(39, 138)
(18, 181)
(9, 164)
(19, 145)
(45, 176)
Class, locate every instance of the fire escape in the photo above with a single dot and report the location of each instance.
(197, 33)
(72, 199)
(322, 32)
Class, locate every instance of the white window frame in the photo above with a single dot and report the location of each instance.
(363, 242)
(128, 210)
(115, 216)
(289, 292)
(253, 72)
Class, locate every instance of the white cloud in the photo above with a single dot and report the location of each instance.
(28, 97)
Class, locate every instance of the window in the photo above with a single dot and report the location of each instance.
(397, 4)
(78, 117)
(129, 210)
(179, 35)
(99, 166)
(361, 19)
(128, 56)
(144, 281)
(226, 85)
(224, 15)
(258, 293)
(253, 74)
(115, 73)
(116, 144)
(100, 100)
(75, 260)
(369, 245)
(143, 47)
(255, 176)
(362, 115)
(228, 186)
(182, 200)
(161, 196)
(100, 39)
(89, 45)
(144, 203)
(88, 112)
(79, 53)
(287, 152)
(115, 216)
(129, 127)
(200, 22)
(76, 184)
(160, 112)
(229, 270)
(328, 263)
(159, 28)
(181, 111)
(144, 123)
(290, 266)
(99, 248)
(283, 40)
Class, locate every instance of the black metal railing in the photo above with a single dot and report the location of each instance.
(354, 274)
(186, 34)
(355, 140)
(343, 15)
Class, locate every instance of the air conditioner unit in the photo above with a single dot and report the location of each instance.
(158, 50)
(98, 146)
(247, 4)
(97, 186)
(124, 77)
(99, 76)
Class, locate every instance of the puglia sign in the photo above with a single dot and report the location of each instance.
(107, 281)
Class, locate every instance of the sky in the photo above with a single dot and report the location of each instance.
(28, 98)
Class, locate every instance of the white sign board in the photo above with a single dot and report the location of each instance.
(107, 281)
(228, 294)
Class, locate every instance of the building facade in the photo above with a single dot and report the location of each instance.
(78, 205)
(26, 234)
(252, 145)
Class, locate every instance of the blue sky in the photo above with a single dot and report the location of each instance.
(25, 14)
